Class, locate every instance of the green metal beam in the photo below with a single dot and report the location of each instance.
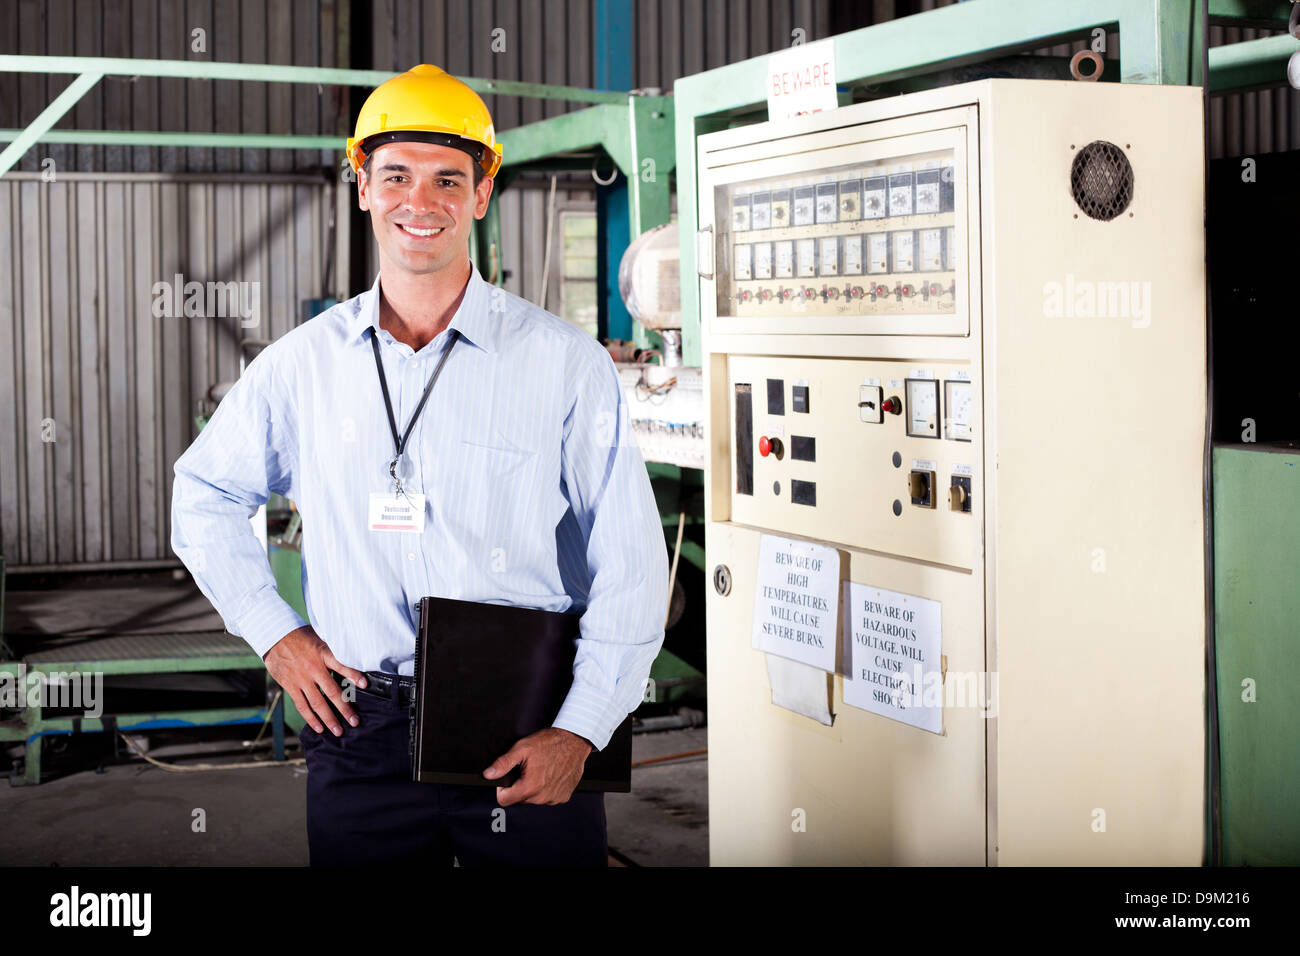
(1252, 64)
(581, 129)
(49, 116)
(123, 137)
(275, 73)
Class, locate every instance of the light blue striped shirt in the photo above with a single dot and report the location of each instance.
(537, 494)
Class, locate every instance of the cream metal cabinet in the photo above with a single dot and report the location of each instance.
(958, 336)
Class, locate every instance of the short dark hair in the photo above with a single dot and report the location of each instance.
(479, 172)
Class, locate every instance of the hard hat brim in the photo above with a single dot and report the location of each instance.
(488, 159)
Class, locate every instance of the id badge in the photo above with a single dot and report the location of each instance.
(402, 512)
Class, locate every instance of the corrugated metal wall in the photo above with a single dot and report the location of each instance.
(97, 393)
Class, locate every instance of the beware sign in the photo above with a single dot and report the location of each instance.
(801, 80)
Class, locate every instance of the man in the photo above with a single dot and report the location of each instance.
(505, 429)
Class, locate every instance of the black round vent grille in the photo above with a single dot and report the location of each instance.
(1102, 180)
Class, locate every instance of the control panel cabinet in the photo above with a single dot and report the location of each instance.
(956, 340)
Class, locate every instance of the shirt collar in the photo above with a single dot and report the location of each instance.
(473, 319)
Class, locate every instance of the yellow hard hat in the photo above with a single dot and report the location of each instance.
(427, 105)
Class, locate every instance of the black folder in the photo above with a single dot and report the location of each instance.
(487, 675)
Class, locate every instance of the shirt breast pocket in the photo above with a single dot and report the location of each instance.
(500, 487)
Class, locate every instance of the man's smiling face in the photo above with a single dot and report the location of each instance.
(422, 203)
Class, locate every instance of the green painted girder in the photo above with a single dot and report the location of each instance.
(124, 137)
(637, 135)
(276, 73)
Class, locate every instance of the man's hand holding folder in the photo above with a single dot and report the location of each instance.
(552, 760)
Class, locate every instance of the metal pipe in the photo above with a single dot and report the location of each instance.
(1251, 64)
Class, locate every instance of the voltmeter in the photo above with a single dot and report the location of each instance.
(852, 246)
(957, 410)
(744, 264)
(784, 254)
(829, 256)
(902, 255)
(923, 407)
(806, 257)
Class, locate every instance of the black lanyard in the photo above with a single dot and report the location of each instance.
(401, 441)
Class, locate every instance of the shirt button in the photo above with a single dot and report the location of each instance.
(410, 556)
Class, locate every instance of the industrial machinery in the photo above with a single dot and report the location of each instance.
(954, 359)
(665, 401)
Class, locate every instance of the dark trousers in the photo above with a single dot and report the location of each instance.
(364, 809)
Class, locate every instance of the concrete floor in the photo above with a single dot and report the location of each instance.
(136, 814)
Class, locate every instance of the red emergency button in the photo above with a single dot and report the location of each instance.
(769, 446)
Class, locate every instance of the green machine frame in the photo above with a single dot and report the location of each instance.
(1252, 798)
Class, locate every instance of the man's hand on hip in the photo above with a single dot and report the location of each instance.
(301, 662)
(552, 761)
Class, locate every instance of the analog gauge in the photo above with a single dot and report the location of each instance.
(806, 257)
(744, 261)
(902, 253)
(852, 255)
(900, 194)
(957, 399)
(760, 215)
(762, 260)
(829, 256)
(923, 407)
(740, 214)
(780, 208)
(827, 204)
(878, 253)
(803, 206)
(874, 205)
(931, 250)
(850, 199)
(784, 255)
(927, 191)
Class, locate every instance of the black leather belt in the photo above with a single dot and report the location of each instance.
(379, 684)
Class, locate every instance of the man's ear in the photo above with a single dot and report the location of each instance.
(482, 193)
(363, 182)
